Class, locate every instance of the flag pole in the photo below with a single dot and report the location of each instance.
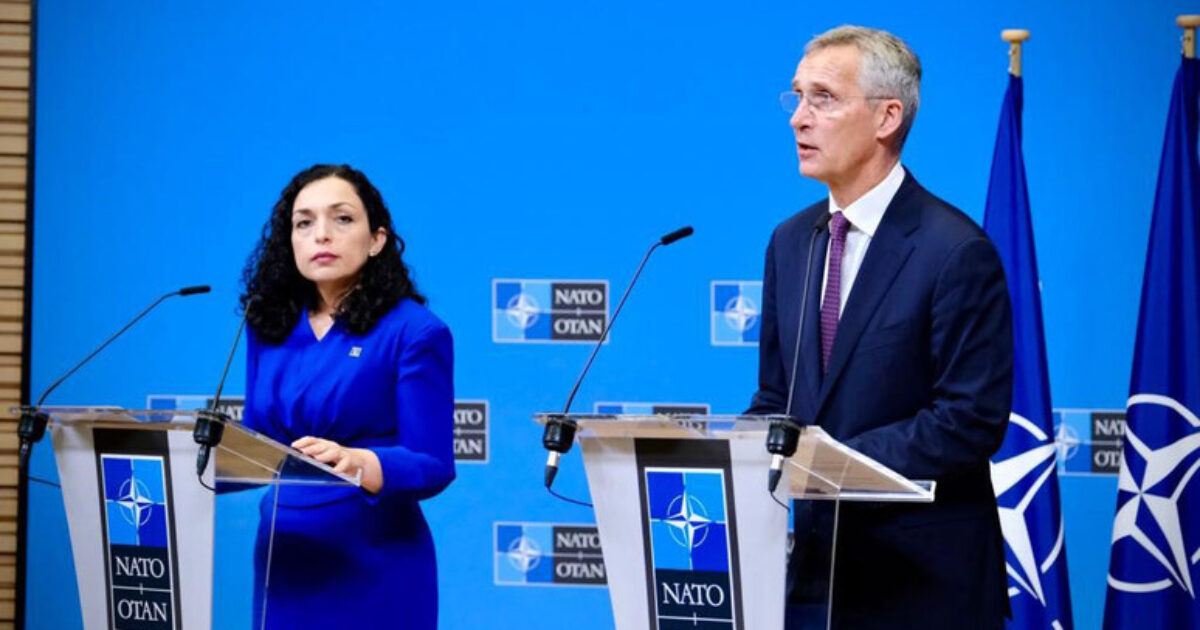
(1188, 23)
(1017, 36)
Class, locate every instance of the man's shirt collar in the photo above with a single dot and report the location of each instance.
(867, 211)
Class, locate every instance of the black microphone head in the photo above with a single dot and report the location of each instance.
(682, 232)
(822, 221)
(200, 288)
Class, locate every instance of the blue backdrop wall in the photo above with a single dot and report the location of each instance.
(547, 141)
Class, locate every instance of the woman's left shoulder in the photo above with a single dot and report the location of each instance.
(412, 321)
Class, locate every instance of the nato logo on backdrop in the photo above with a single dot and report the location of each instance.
(471, 431)
(547, 554)
(735, 314)
(548, 311)
(651, 409)
(231, 406)
(658, 408)
(1089, 441)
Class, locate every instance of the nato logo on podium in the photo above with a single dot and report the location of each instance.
(689, 548)
(139, 550)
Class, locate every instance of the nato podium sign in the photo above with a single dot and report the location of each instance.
(686, 522)
(140, 520)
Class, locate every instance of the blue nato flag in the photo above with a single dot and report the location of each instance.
(1152, 574)
(1024, 469)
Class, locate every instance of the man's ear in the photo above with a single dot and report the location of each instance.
(888, 117)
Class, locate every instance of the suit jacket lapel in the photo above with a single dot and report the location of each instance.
(810, 350)
(887, 253)
(807, 375)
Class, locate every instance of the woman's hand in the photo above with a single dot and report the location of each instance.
(350, 461)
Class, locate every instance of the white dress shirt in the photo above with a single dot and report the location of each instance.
(864, 216)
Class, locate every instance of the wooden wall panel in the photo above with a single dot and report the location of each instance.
(15, 31)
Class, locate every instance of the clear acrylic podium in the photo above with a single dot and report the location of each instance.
(142, 523)
(691, 536)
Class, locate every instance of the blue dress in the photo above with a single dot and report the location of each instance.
(344, 558)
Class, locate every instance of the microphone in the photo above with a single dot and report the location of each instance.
(560, 432)
(783, 436)
(195, 290)
(210, 423)
(682, 232)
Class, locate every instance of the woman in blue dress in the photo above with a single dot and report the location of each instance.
(346, 364)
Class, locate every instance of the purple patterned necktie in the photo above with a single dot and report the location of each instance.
(831, 305)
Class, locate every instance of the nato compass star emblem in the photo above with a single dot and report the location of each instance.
(740, 313)
(1029, 471)
(135, 502)
(688, 521)
(524, 554)
(1067, 440)
(1151, 484)
(522, 310)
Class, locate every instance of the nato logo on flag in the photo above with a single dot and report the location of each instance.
(1155, 527)
(735, 312)
(548, 311)
(690, 547)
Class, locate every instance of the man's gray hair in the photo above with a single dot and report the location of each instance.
(888, 68)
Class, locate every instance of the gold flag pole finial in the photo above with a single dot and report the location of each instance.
(1188, 23)
(1015, 37)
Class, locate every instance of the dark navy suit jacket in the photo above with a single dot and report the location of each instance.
(920, 380)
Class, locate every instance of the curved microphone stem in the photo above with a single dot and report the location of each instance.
(604, 333)
(210, 423)
(782, 439)
(184, 291)
(812, 239)
(104, 345)
(232, 351)
(560, 431)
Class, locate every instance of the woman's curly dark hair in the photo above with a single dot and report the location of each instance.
(275, 292)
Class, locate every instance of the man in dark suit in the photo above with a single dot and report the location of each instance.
(906, 353)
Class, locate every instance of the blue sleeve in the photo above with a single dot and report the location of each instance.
(422, 463)
(972, 347)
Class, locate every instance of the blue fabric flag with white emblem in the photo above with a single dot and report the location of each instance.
(1152, 572)
(1024, 470)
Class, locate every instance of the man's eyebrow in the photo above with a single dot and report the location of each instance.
(815, 86)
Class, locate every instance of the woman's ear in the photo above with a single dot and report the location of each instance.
(378, 241)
